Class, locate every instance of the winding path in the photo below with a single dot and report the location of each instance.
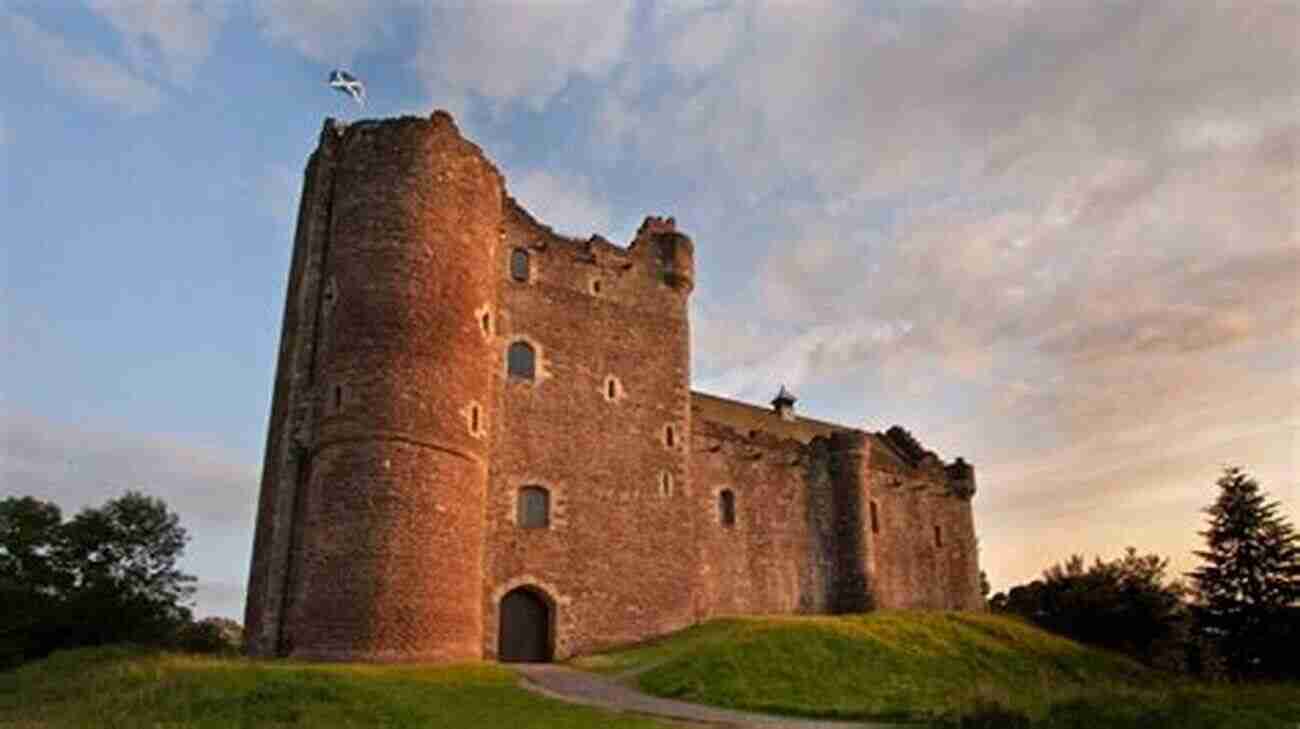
(580, 687)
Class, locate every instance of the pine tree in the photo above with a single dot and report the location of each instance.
(1249, 583)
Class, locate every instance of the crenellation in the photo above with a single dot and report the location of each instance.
(421, 501)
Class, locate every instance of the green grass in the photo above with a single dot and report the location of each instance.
(931, 666)
(111, 688)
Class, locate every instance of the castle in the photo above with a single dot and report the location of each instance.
(483, 441)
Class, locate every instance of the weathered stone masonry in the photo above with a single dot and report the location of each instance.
(389, 521)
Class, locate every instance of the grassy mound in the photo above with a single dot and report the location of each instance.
(110, 688)
(906, 665)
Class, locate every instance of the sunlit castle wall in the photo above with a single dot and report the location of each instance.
(379, 547)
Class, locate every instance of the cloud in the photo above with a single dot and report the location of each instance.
(500, 52)
(565, 202)
(526, 53)
(77, 467)
(85, 73)
(700, 38)
(873, 103)
(168, 36)
(330, 31)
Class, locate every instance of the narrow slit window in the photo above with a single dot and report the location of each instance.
(519, 265)
(938, 536)
(611, 390)
(665, 484)
(338, 397)
(534, 508)
(521, 361)
(875, 518)
(669, 436)
(473, 419)
(727, 508)
(487, 323)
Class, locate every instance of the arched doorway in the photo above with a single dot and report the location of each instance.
(525, 634)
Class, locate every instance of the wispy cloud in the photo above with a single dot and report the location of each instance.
(168, 38)
(566, 202)
(76, 467)
(330, 31)
(522, 53)
(82, 72)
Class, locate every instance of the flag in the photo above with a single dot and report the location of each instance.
(348, 84)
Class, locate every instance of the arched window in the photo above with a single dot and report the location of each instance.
(521, 361)
(875, 518)
(534, 508)
(727, 508)
(519, 264)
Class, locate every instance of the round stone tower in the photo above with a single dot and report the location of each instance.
(387, 537)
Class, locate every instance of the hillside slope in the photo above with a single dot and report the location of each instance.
(122, 688)
(922, 665)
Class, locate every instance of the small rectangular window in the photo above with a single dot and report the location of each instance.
(519, 264)
(534, 508)
(521, 361)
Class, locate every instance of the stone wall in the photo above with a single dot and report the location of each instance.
(805, 537)
(617, 561)
(771, 559)
(910, 566)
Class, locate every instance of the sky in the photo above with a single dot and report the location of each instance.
(1057, 239)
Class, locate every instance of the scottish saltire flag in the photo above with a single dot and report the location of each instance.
(348, 84)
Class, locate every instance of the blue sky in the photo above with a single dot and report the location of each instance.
(1058, 239)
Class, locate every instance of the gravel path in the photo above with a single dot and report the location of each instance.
(580, 687)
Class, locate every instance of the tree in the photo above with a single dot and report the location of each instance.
(33, 578)
(107, 575)
(1249, 582)
(1125, 604)
(29, 541)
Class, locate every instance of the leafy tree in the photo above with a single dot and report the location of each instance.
(1125, 604)
(29, 542)
(985, 587)
(1249, 583)
(33, 578)
(109, 574)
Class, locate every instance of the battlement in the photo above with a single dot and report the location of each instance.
(654, 224)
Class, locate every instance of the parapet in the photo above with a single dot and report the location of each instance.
(961, 478)
(673, 252)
